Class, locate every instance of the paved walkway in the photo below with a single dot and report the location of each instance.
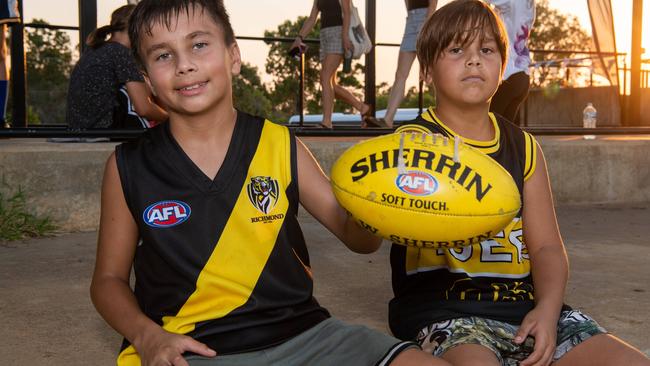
(47, 317)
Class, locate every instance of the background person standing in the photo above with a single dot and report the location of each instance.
(518, 16)
(334, 42)
(418, 11)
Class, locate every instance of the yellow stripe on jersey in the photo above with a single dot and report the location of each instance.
(531, 155)
(232, 271)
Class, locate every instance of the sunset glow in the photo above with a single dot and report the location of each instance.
(390, 23)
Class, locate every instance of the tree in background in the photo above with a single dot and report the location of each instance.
(49, 63)
(284, 92)
(409, 101)
(555, 31)
(250, 94)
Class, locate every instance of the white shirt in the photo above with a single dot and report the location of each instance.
(518, 17)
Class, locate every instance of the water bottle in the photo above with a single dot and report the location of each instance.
(589, 116)
(347, 61)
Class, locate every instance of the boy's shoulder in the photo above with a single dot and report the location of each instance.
(149, 135)
(423, 123)
(427, 122)
(248, 129)
(253, 122)
(150, 141)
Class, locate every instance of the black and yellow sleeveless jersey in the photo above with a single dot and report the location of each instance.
(222, 260)
(490, 279)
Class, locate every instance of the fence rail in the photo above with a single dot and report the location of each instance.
(63, 132)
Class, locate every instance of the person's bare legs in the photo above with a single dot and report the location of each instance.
(603, 350)
(4, 69)
(327, 74)
(349, 98)
(4, 74)
(404, 63)
(416, 357)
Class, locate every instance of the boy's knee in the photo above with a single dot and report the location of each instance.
(417, 357)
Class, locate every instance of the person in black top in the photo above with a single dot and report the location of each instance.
(106, 88)
(204, 208)
(334, 42)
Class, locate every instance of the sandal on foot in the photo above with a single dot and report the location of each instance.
(370, 121)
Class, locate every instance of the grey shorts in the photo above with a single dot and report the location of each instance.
(414, 21)
(331, 342)
(573, 328)
(9, 12)
(331, 41)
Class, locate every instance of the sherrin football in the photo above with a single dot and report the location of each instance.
(441, 194)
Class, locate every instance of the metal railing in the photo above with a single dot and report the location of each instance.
(301, 129)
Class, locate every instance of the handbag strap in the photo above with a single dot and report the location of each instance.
(354, 14)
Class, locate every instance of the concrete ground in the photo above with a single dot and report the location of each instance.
(47, 317)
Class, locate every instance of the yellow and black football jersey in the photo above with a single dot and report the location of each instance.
(222, 260)
(491, 279)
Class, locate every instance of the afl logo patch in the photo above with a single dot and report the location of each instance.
(417, 183)
(166, 214)
(263, 193)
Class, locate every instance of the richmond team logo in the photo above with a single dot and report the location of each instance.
(166, 214)
(417, 183)
(263, 193)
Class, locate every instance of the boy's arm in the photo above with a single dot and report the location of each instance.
(549, 265)
(110, 290)
(317, 198)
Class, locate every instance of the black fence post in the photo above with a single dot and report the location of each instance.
(420, 96)
(301, 98)
(634, 107)
(370, 88)
(87, 21)
(18, 81)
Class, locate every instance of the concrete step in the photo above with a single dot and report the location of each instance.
(48, 318)
(63, 180)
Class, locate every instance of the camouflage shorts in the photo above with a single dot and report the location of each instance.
(574, 327)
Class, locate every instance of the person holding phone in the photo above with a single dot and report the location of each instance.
(334, 43)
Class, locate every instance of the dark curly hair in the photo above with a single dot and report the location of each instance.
(150, 12)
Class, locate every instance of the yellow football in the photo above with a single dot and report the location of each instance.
(441, 193)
